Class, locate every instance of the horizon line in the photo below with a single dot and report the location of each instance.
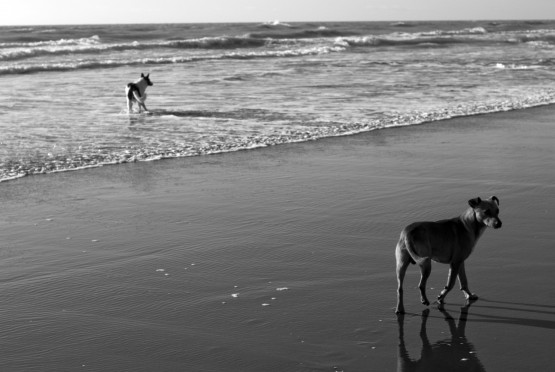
(279, 22)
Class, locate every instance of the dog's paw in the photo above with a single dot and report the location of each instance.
(440, 303)
(470, 296)
(470, 300)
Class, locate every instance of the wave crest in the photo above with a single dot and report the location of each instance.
(112, 63)
(92, 45)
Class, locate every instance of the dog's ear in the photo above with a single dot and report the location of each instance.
(495, 199)
(148, 75)
(475, 202)
(142, 75)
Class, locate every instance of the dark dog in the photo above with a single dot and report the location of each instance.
(135, 92)
(447, 241)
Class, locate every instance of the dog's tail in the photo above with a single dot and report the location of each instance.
(134, 93)
(404, 245)
(138, 97)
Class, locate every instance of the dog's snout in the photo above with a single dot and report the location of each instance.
(497, 224)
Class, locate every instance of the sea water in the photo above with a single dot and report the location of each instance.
(229, 87)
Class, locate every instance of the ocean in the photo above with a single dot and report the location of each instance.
(230, 87)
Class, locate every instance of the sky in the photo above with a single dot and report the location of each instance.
(44, 12)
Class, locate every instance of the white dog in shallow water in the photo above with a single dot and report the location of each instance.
(135, 92)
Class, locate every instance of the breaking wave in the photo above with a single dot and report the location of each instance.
(19, 51)
(111, 63)
(16, 168)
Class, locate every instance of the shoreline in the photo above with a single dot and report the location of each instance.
(85, 255)
(296, 137)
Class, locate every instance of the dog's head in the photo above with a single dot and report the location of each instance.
(486, 211)
(147, 79)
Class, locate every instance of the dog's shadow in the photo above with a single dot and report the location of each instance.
(452, 354)
(537, 309)
(136, 115)
(238, 114)
(147, 116)
(188, 113)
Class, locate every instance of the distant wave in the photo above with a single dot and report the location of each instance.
(402, 24)
(464, 31)
(93, 64)
(302, 34)
(19, 51)
(514, 66)
(31, 44)
(276, 23)
(476, 35)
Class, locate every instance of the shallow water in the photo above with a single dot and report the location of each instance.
(228, 87)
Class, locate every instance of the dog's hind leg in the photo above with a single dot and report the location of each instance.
(142, 102)
(425, 270)
(403, 260)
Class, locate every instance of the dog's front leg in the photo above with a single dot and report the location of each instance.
(451, 278)
(464, 284)
(425, 269)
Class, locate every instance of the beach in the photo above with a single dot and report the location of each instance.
(282, 258)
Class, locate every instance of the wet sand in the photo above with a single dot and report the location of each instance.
(282, 259)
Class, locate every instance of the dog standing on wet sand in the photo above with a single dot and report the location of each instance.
(135, 92)
(448, 241)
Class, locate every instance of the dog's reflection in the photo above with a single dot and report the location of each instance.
(453, 354)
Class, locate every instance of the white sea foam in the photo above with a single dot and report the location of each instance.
(514, 66)
(259, 141)
(276, 23)
(93, 40)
